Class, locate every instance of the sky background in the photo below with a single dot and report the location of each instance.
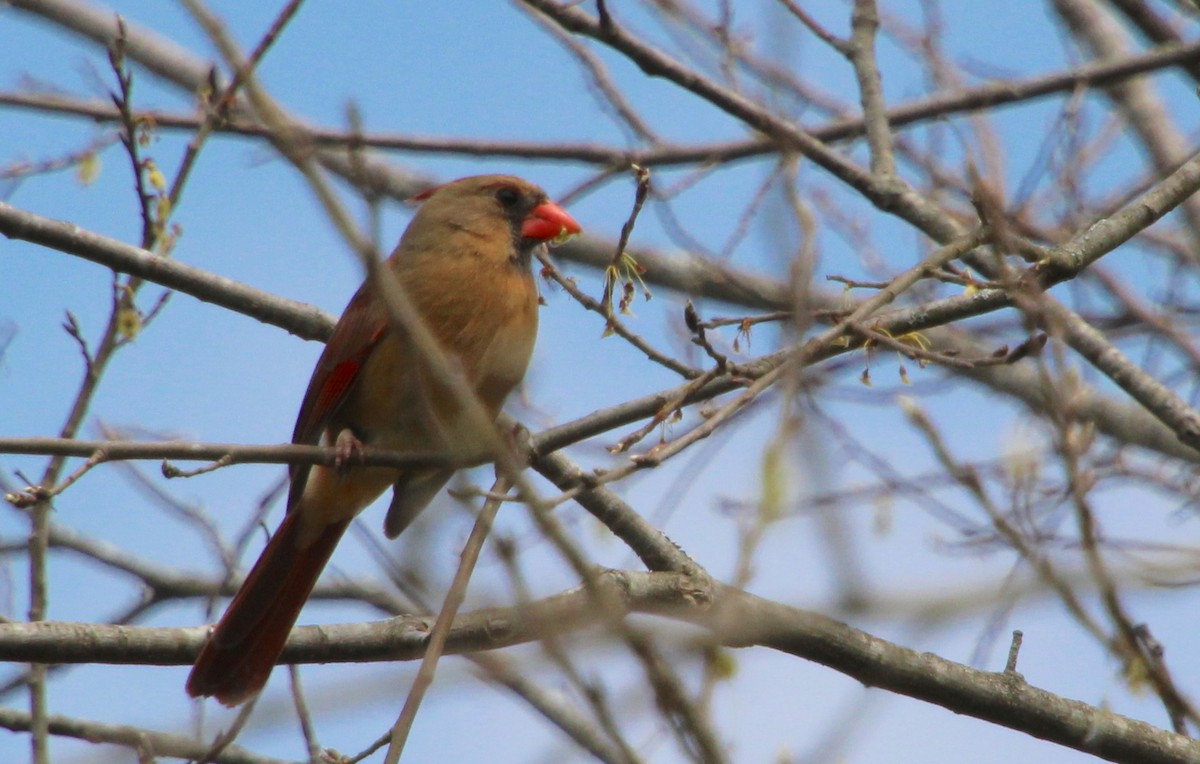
(466, 69)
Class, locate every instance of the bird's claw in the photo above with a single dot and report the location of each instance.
(347, 447)
(521, 442)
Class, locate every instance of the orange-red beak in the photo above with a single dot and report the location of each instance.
(548, 221)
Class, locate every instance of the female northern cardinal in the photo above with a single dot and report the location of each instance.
(464, 264)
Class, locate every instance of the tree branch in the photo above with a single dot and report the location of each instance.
(735, 618)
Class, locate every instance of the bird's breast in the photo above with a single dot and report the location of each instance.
(486, 324)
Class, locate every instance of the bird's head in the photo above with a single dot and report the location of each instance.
(494, 207)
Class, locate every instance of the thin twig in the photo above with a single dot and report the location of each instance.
(445, 619)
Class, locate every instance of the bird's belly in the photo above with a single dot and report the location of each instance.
(409, 411)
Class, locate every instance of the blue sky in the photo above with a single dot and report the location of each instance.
(460, 69)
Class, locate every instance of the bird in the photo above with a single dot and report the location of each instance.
(464, 263)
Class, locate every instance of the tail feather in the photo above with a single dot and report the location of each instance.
(240, 653)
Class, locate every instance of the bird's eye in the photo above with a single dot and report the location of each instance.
(508, 196)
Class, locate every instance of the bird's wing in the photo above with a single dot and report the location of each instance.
(354, 338)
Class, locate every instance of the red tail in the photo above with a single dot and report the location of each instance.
(242, 650)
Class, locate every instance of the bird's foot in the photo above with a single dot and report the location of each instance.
(521, 443)
(347, 447)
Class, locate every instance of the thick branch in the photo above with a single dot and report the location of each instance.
(302, 320)
(1003, 698)
(230, 453)
(735, 618)
(148, 742)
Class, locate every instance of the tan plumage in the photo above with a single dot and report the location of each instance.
(464, 264)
